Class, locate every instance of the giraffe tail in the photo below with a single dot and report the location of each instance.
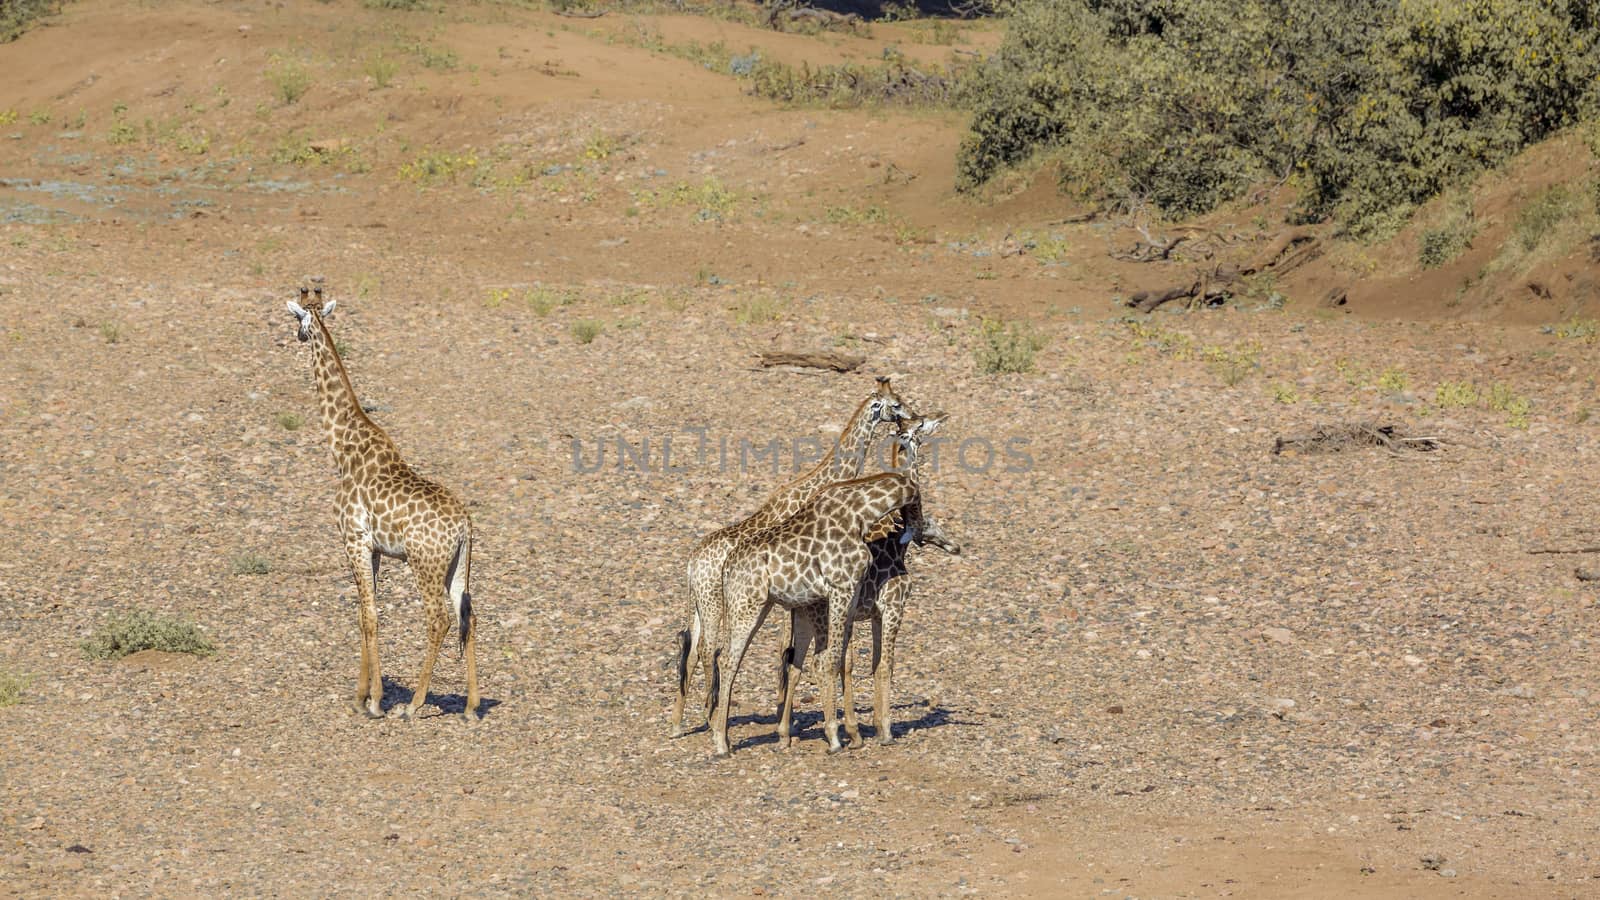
(456, 577)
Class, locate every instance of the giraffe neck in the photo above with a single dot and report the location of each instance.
(867, 500)
(348, 429)
(849, 453)
(843, 462)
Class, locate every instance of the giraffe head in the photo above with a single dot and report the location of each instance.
(911, 435)
(885, 405)
(308, 318)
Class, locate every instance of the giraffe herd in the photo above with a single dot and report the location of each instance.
(830, 548)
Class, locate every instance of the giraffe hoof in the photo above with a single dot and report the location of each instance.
(836, 748)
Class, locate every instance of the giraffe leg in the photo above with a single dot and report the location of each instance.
(830, 664)
(369, 681)
(785, 658)
(687, 653)
(741, 629)
(430, 581)
(885, 628)
(802, 633)
(710, 611)
(852, 726)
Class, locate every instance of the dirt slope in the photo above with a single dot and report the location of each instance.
(1168, 664)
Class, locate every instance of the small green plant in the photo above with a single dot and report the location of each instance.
(381, 69)
(131, 632)
(710, 199)
(543, 298)
(493, 297)
(856, 215)
(194, 143)
(11, 688)
(1171, 343)
(251, 564)
(39, 117)
(1450, 238)
(438, 166)
(1578, 329)
(1233, 364)
(1283, 393)
(7, 116)
(758, 310)
(1543, 214)
(586, 330)
(290, 421)
(1007, 347)
(1516, 407)
(110, 332)
(122, 132)
(599, 147)
(438, 57)
(1455, 395)
(1393, 381)
(289, 78)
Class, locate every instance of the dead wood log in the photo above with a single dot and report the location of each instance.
(1336, 438)
(1289, 250)
(581, 13)
(817, 359)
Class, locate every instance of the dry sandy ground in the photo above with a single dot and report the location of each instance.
(1169, 663)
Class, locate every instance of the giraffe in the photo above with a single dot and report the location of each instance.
(844, 460)
(817, 556)
(386, 509)
(881, 597)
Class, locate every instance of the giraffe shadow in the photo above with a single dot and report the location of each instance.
(447, 704)
(808, 725)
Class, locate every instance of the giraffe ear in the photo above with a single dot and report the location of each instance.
(932, 423)
(298, 311)
(327, 308)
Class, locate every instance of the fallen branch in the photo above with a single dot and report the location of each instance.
(822, 359)
(1336, 438)
(581, 14)
(1538, 550)
(1288, 251)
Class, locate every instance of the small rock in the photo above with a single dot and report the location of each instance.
(1278, 635)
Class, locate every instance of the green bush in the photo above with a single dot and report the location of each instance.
(1449, 239)
(129, 633)
(1007, 347)
(1543, 215)
(17, 16)
(1368, 107)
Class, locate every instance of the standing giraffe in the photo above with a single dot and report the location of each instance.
(817, 556)
(843, 461)
(386, 509)
(880, 597)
